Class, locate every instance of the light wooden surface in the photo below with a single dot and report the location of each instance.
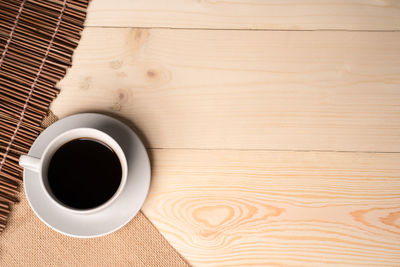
(248, 14)
(214, 89)
(284, 208)
(268, 147)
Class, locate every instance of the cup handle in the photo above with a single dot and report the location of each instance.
(30, 163)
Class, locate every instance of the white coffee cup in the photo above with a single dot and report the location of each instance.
(40, 165)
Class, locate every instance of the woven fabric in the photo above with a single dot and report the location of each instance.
(28, 242)
(49, 119)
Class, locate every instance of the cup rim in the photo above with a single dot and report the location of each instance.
(46, 156)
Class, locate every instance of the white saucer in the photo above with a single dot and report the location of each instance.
(122, 210)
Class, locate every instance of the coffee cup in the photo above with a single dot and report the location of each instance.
(83, 170)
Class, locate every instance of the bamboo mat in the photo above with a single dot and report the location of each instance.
(37, 39)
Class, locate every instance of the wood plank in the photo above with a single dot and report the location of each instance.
(255, 14)
(242, 89)
(245, 208)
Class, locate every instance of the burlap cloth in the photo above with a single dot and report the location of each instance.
(28, 242)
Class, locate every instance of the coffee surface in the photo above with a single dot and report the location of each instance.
(84, 173)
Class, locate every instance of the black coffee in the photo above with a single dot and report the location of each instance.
(84, 173)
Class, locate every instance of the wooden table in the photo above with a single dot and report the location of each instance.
(273, 126)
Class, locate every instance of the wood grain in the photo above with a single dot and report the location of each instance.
(242, 89)
(216, 97)
(256, 14)
(245, 208)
